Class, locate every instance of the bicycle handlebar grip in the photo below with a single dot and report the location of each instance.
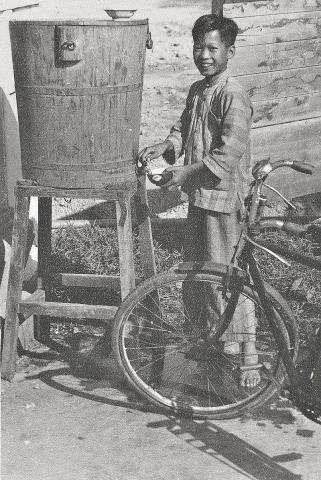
(303, 167)
(294, 228)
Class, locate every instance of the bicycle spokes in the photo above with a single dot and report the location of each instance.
(167, 352)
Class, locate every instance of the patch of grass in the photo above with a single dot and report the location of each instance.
(92, 249)
(89, 249)
(306, 302)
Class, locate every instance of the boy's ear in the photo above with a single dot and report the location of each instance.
(231, 51)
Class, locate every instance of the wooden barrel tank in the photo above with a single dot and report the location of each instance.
(79, 89)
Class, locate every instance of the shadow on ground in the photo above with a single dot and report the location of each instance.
(159, 200)
(207, 436)
(229, 449)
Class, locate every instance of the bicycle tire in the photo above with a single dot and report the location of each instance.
(160, 360)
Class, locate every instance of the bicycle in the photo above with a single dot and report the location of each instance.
(181, 366)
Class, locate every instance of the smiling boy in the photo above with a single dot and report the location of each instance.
(213, 133)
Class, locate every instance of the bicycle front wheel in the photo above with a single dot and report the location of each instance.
(158, 340)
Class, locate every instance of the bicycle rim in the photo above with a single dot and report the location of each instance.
(158, 342)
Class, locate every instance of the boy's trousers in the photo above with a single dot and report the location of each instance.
(212, 236)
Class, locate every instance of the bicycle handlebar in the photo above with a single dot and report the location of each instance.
(263, 168)
(289, 227)
(303, 167)
(260, 172)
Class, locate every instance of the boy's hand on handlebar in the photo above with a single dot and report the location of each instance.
(261, 169)
(154, 151)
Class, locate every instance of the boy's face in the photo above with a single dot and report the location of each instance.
(211, 54)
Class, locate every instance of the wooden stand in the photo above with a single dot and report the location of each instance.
(36, 304)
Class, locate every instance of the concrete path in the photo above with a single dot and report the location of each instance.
(57, 426)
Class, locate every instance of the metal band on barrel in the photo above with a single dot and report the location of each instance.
(31, 90)
(123, 166)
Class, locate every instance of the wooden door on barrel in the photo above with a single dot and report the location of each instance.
(278, 61)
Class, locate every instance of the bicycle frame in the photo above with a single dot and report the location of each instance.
(238, 282)
(236, 276)
(244, 253)
(257, 279)
(300, 378)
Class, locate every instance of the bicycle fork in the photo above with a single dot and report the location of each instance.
(236, 280)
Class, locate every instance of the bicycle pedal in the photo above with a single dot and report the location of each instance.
(286, 393)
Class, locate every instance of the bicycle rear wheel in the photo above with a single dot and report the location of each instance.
(160, 350)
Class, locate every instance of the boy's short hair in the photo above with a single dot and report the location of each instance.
(207, 23)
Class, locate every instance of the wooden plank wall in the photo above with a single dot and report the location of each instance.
(278, 60)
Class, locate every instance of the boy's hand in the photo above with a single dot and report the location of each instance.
(181, 174)
(154, 151)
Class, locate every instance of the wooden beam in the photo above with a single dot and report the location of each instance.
(125, 244)
(37, 296)
(217, 7)
(17, 262)
(42, 325)
(288, 109)
(276, 56)
(87, 280)
(256, 8)
(278, 28)
(69, 310)
(293, 184)
(110, 192)
(296, 141)
(15, 5)
(282, 84)
(145, 230)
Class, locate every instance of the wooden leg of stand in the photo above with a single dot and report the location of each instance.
(125, 243)
(42, 324)
(17, 262)
(145, 229)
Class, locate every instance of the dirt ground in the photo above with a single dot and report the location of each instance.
(57, 425)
